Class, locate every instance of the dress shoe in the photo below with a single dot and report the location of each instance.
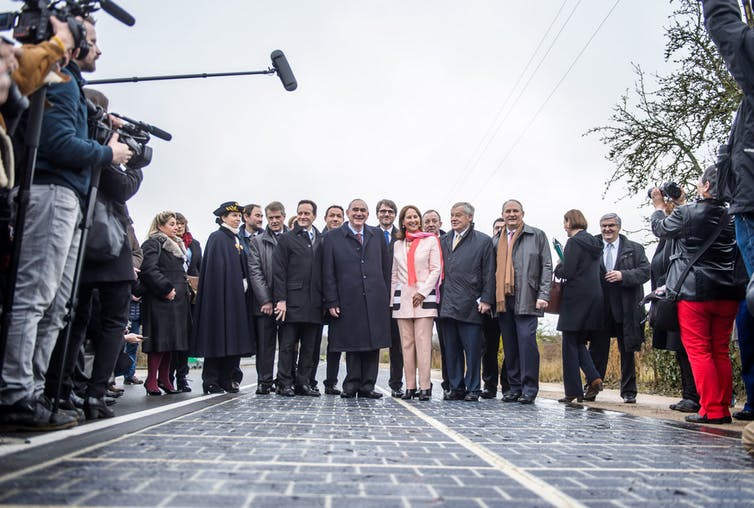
(488, 394)
(96, 408)
(154, 393)
(109, 401)
(593, 389)
(629, 399)
(471, 397)
(330, 390)
(286, 392)
(314, 387)
(263, 390)
(453, 395)
(307, 391)
(113, 394)
(212, 388)
(410, 394)
(77, 400)
(182, 385)
(232, 387)
(568, 400)
(511, 396)
(347, 395)
(115, 389)
(527, 399)
(425, 395)
(685, 406)
(133, 380)
(31, 415)
(64, 406)
(370, 395)
(697, 418)
(398, 393)
(744, 414)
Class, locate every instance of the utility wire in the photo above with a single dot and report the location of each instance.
(542, 107)
(496, 124)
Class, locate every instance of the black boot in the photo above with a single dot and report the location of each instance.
(96, 408)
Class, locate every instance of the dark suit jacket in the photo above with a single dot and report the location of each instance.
(622, 298)
(356, 278)
(297, 275)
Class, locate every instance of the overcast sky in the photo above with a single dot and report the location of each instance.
(419, 101)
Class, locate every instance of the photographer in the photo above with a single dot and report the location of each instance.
(709, 295)
(50, 244)
(113, 279)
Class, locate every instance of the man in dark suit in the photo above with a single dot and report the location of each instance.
(297, 291)
(386, 214)
(356, 270)
(468, 291)
(492, 372)
(625, 269)
(432, 223)
(333, 220)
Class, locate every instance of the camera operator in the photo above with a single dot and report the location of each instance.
(113, 279)
(50, 244)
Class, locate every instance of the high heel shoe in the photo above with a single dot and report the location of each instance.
(168, 389)
(152, 393)
(410, 394)
(96, 408)
(425, 394)
(568, 400)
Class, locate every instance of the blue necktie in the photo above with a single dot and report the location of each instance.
(387, 237)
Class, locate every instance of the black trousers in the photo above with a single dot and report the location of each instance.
(114, 300)
(396, 357)
(688, 385)
(443, 363)
(491, 372)
(220, 370)
(316, 357)
(333, 367)
(361, 371)
(291, 334)
(179, 368)
(599, 349)
(267, 337)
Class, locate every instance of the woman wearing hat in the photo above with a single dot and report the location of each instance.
(222, 334)
(165, 305)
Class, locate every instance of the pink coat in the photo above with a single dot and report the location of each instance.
(428, 263)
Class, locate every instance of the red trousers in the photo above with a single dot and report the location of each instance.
(706, 328)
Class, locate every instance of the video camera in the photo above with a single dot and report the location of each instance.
(133, 133)
(32, 23)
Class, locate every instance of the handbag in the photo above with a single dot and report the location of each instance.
(663, 308)
(556, 293)
(106, 236)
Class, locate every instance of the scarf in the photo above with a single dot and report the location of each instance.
(505, 275)
(187, 239)
(413, 239)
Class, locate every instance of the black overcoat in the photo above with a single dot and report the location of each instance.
(297, 275)
(356, 278)
(221, 317)
(165, 322)
(582, 303)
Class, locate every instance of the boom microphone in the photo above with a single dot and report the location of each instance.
(117, 12)
(280, 63)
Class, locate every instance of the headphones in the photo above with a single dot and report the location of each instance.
(79, 37)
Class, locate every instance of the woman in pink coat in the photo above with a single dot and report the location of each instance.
(417, 270)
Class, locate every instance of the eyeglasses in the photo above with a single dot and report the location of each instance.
(608, 226)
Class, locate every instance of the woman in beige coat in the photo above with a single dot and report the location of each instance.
(417, 271)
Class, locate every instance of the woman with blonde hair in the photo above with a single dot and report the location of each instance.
(417, 270)
(165, 306)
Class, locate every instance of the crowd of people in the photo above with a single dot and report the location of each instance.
(271, 291)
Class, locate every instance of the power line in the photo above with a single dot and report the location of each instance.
(493, 130)
(541, 107)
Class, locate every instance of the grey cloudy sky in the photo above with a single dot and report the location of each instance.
(396, 99)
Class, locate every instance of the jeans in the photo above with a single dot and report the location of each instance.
(745, 238)
(43, 286)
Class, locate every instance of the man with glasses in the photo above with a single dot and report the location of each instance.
(625, 269)
(386, 213)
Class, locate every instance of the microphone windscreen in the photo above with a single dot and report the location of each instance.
(280, 63)
(117, 12)
(165, 135)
